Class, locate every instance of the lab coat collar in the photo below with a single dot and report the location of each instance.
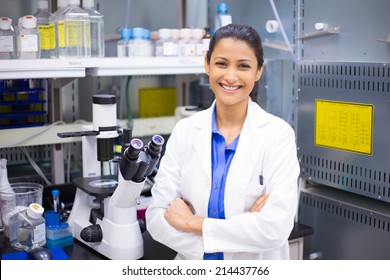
(249, 146)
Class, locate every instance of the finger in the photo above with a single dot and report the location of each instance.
(260, 202)
(258, 207)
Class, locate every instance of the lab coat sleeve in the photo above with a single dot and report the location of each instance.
(164, 191)
(270, 228)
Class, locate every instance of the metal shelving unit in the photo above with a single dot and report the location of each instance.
(111, 66)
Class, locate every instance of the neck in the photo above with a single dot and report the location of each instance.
(230, 120)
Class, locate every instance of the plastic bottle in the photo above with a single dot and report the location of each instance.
(97, 29)
(148, 49)
(27, 39)
(46, 32)
(122, 44)
(175, 36)
(196, 38)
(222, 17)
(77, 31)
(57, 20)
(206, 39)
(136, 42)
(7, 39)
(164, 45)
(186, 45)
(27, 228)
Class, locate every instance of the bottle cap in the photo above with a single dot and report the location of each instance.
(175, 34)
(138, 32)
(146, 34)
(222, 8)
(164, 33)
(125, 33)
(197, 33)
(29, 22)
(5, 24)
(185, 33)
(43, 4)
(35, 210)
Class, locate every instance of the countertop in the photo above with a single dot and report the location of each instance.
(153, 250)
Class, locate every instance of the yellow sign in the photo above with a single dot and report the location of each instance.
(344, 125)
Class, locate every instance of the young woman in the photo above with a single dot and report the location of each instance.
(227, 185)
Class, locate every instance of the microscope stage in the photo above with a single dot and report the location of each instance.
(99, 186)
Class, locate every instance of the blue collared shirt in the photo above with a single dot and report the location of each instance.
(221, 157)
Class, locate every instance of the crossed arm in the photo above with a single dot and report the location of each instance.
(180, 216)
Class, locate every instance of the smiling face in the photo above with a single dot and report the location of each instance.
(233, 71)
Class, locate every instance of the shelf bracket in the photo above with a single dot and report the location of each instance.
(387, 40)
(276, 45)
(325, 32)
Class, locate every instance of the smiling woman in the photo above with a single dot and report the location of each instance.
(227, 183)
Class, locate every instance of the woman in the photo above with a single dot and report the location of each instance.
(227, 185)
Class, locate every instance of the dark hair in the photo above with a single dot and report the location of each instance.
(244, 33)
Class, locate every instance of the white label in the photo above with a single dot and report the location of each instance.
(40, 233)
(29, 43)
(6, 44)
(168, 49)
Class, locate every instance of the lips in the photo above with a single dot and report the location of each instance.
(230, 88)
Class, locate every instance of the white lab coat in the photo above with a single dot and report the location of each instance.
(266, 147)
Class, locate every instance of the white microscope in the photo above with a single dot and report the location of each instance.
(104, 213)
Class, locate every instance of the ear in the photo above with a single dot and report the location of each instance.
(259, 73)
(206, 66)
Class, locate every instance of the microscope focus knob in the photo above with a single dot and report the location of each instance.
(92, 233)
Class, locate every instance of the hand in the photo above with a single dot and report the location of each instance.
(180, 216)
(259, 203)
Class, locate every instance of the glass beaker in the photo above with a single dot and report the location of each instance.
(21, 196)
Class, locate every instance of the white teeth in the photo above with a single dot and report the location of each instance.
(229, 88)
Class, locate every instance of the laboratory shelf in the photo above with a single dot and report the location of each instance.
(46, 135)
(148, 66)
(110, 66)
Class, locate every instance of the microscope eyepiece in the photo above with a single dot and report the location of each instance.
(155, 145)
(136, 146)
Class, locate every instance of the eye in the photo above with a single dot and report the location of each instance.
(221, 63)
(244, 66)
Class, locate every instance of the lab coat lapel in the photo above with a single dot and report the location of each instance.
(245, 160)
(202, 141)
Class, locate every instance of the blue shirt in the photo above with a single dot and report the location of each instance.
(221, 157)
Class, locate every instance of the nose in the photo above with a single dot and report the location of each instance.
(230, 75)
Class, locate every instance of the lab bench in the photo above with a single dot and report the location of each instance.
(154, 250)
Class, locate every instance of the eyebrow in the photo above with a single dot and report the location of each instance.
(240, 60)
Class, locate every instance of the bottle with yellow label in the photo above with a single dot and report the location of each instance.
(46, 31)
(77, 31)
(57, 20)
